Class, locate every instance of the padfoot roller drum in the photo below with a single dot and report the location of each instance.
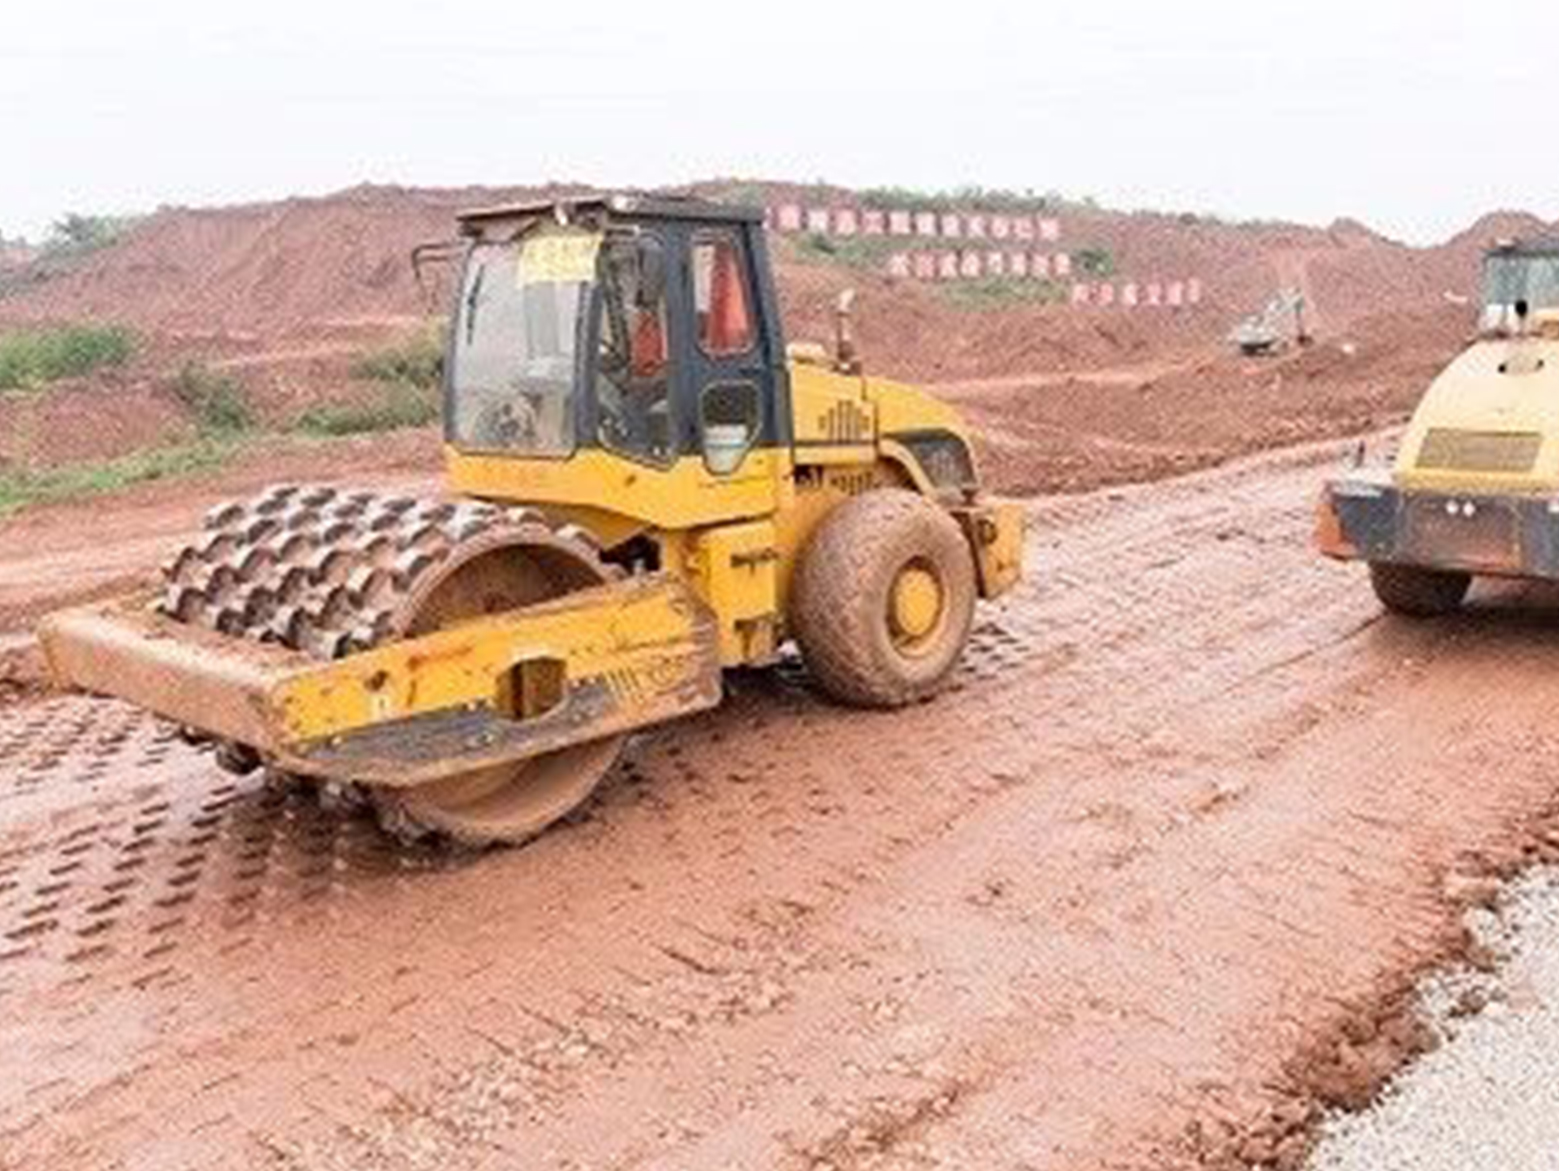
(328, 573)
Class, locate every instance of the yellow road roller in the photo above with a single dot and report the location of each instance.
(1474, 487)
(646, 487)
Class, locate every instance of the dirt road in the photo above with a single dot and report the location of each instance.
(1153, 871)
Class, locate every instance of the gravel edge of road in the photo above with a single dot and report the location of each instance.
(1377, 1044)
(1487, 1094)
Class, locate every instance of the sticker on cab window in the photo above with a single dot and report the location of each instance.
(561, 259)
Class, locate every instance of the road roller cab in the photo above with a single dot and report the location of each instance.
(620, 360)
(1474, 486)
(648, 487)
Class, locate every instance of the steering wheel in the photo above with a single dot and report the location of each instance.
(506, 423)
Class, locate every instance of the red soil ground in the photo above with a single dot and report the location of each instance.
(1145, 890)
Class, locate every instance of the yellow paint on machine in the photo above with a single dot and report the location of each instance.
(646, 649)
(646, 636)
(735, 568)
(729, 545)
(1489, 424)
(710, 557)
(622, 496)
(996, 531)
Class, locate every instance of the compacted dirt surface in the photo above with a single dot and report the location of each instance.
(1147, 888)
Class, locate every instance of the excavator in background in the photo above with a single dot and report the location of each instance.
(1267, 334)
(648, 487)
(1474, 487)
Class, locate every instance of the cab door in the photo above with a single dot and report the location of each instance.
(682, 393)
(732, 400)
(731, 403)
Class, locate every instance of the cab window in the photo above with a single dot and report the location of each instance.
(513, 358)
(633, 368)
(720, 302)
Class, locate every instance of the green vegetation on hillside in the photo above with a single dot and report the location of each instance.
(71, 238)
(409, 377)
(77, 235)
(218, 401)
(1001, 292)
(869, 252)
(406, 377)
(1095, 260)
(20, 488)
(30, 358)
(399, 405)
(418, 361)
(968, 198)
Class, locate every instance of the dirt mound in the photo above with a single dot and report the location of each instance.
(1389, 277)
(283, 296)
(46, 430)
(1079, 431)
(340, 263)
(907, 329)
(272, 270)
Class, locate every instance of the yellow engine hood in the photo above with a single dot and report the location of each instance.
(1488, 423)
(901, 407)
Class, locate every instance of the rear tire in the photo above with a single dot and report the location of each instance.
(1419, 592)
(883, 599)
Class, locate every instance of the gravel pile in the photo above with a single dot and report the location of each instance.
(1488, 1097)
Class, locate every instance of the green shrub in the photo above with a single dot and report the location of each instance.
(400, 404)
(869, 252)
(1095, 261)
(410, 375)
(218, 401)
(69, 240)
(31, 357)
(418, 361)
(78, 235)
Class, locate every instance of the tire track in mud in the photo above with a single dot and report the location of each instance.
(748, 952)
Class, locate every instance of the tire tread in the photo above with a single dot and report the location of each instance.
(828, 618)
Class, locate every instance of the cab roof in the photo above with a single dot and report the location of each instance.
(1537, 246)
(628, 204)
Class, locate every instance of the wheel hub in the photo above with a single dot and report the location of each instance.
(916, 604)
